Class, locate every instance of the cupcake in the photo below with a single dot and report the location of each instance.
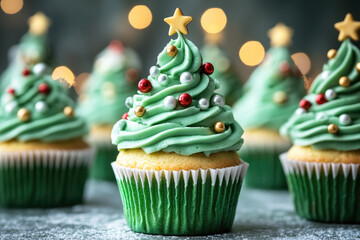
(178, 146)
(102, 102)
(322, 167)
(43, 159)
(33, 48)
(230, 84)
(270, 97)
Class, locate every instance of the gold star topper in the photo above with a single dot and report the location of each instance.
(280, 35)
(348, 28)
(178, 22)
(39, 24)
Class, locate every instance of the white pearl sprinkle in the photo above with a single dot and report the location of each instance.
(325, 74)
(10, 107)
(41, 106)
(39, 69)
(344, 119)
(321, 116)
(203, 104)
(330, 94)
(186, 77)
(163, 79)
(300, 111)
(217, 100)
(154, 71)
(170, 102)
(129, 102)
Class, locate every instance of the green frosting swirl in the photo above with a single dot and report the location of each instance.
(311, 127)
(105, 92)
(48, 121)
(183, 130)
(258, 107)
(230, 84)
(32, 49)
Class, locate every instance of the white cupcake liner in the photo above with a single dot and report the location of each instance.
(332, 169)
(51, 158)
(224, 175)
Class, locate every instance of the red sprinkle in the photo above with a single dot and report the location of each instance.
(44, 89)
(144, 86)
(185, 100)
(125, 116)
(208, 68)
(320, 99)
(11, 91)
(26, 72)
(305, 104)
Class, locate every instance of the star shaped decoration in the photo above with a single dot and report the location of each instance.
(280, 35)
(39, 24)
(348, 28)
(178, 22)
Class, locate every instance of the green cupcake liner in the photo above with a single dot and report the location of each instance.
(196, 202)
(326, 192)
(101, 168)
(43, 178)
(266, 171)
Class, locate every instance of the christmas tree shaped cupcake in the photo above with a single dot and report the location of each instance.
(177, 146)
(323, 166)
(230, 84)
(33, 48)
(102, 101)
(270, 96)
(43, 159)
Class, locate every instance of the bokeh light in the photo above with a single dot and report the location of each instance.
(302, 61)
(140, 17)
(64, 74)
(213, 20)
(11, 6)
(252, 53)
(80, 80)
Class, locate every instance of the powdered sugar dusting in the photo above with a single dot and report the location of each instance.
(260, 215)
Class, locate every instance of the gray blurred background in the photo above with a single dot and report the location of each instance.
(81, 28)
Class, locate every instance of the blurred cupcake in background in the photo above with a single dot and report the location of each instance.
(102, 101)
(44, 160)
(323, 165)
(33, 48)
(269, 98)
(229, 81)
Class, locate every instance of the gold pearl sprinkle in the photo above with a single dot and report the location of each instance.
(23, 114)
(333, 129)
(172, 51)
(140, 111)
(219, 127)
(280, 97)
(331, 53)
(69, 111)
(358, 67)
(344, 81)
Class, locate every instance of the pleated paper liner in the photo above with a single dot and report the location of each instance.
(266, 171)
(43, 178)
(195, 202)
(327, 192)
(105, 153)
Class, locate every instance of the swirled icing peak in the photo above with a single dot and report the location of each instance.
(35, 107)
(328, 117)
(176, 109)
(272, 92)
(112, 80)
